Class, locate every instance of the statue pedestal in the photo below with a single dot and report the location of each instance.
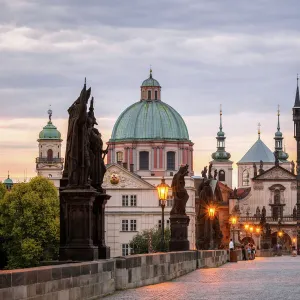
(179, 233)
(76, 225)
(99, 226)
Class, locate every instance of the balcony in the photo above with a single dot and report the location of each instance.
(46, 160)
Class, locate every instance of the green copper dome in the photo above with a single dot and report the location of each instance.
(8, 181)
(150, 120)
(49, 132)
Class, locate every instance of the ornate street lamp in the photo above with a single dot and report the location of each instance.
(162, 190)
(211, 212)
(233, 221)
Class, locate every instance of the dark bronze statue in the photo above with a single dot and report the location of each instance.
(204, 172)
(77, 161)
(210, 171)
(215, 174)
(180, 194)
(208, 231)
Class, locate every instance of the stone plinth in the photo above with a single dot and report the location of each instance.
(76, 225)
(179, 233)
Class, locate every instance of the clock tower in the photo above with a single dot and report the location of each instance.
(49, 162)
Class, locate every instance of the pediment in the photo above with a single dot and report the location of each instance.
(117, 177)
(276, 173)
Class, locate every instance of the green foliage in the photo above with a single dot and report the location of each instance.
(2, 190)
(29, 223)
(140, 242)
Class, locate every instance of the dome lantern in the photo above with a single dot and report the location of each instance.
(150, 89)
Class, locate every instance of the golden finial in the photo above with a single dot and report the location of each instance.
(258, 127)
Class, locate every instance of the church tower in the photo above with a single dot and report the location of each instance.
(49, 163)
(282, 155)
(221, 158)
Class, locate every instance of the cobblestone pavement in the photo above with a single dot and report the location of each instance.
(264, 278)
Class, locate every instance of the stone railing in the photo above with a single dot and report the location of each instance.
(92, 280)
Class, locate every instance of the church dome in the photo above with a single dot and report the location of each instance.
(150, 81)
(150, 120)
(49, 132)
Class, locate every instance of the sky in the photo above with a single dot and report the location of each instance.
(242, 54)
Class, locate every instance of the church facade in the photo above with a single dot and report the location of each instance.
(149, 141)
(266, 185)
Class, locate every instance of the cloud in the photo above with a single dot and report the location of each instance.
(242, 54)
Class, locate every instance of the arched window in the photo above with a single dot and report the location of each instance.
(221, 175)
(246, 178)
(119, 156)
(58, 155)
(41, 154)
(155, 95)
(149, 95)
(144, 160)
(170, 160)
(49, 155)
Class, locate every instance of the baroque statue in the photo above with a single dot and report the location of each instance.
(180, 194)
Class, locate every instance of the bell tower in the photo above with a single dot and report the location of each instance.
(49, 162)
(296, 119)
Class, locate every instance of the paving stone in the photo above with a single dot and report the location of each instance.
(270, 278)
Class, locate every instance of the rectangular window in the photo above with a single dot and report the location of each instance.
(169, 203)
(125, 249)
(144, 160)
(155, 95)
(133, 200)
(168, 223)
(132, 225)
(159, 223)
(125, 225)
(171, 160)
(119, 156)
(125, 200)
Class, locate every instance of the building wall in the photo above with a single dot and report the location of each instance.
(226, 166)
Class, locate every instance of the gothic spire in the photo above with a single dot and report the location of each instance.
(278, 123)
(297, 98)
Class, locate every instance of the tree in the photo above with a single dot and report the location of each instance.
(29, 223)
(141, 242)
(2, 190)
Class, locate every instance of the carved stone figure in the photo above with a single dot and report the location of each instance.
(293, 167)
(261, 167)
(263, 214)
(257, 212)
(180, 194)
(295, 213)
(255, 169)
(77, 161)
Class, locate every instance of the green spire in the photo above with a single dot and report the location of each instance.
(221, 154)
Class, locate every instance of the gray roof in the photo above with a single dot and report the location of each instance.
(259, 151)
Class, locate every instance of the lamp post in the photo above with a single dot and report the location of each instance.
(211, 214)
(162, 190)
(233, 221)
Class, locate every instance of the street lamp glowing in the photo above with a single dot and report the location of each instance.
(251, 229)
(294, 240)
(211, 211)
(233, 220)
(246, 226)
(163, 190)
(257, 230)
(280, 233)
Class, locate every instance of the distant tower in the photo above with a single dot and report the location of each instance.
(221, 158)
(49, 163)
(296, 119)
(282, 155)
(8, 183)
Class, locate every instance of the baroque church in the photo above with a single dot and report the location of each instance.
(149, 141)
